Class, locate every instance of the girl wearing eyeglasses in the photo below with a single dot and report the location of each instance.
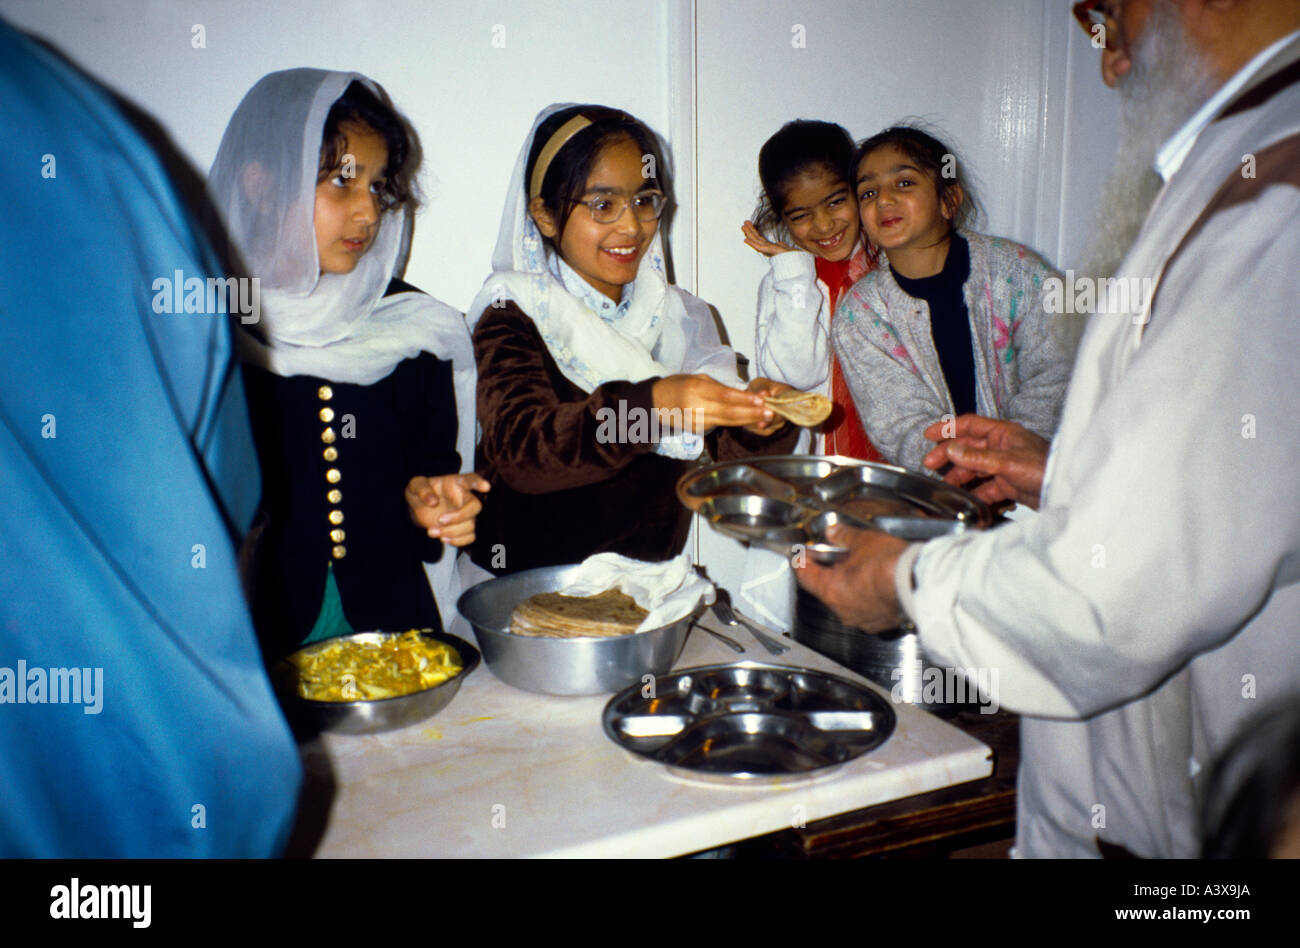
(598, 379)
(952, 322)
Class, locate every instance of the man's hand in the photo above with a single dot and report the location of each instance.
(1011, 458)
(859, 589)
(446, 506)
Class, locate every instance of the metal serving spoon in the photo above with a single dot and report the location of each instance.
(726, 640)
(722, 609)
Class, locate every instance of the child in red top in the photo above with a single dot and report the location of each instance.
(807, 224)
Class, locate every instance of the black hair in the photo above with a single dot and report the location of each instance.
(566, 176)
(360, 106)
(934, 158)
(799, 146)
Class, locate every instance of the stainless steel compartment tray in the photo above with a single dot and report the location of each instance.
(786, 502)
(749, 721)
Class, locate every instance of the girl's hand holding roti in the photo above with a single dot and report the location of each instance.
(766, 387)
(702, 403)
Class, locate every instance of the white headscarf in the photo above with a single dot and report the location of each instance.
(665, 330)
(334, 326)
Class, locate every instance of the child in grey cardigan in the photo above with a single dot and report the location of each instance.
(996, 352)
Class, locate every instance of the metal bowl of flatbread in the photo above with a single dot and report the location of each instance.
(565, 648)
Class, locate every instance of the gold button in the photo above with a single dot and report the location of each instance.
(327, 435)
(338, 536)
(327, 414)
(334, 496)
(325, 393)
(331, 454)
(339, 552)
(336, 517)
(333, 475)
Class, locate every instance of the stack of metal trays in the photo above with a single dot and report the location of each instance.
(749, 722)
(893, 659)
(787, 503)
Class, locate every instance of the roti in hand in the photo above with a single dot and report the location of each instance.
(805, 409)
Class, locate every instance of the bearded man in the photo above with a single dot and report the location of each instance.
(1154, 601)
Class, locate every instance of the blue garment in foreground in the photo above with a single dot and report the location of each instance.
(125, 461)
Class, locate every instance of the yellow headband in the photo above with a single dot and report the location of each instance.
(562, 134)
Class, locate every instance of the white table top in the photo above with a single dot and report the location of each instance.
(502, 772)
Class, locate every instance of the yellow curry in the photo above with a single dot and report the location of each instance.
(357, 671)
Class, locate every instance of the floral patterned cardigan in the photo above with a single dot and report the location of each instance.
(1023, 353)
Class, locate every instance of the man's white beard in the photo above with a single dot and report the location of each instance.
(1169, 81)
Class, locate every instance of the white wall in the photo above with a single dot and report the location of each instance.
(1012, 83)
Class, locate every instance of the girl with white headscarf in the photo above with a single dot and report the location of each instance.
(597, 377)
(360, 387)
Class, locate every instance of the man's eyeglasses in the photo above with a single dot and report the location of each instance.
(646, 205)
(1098, 19)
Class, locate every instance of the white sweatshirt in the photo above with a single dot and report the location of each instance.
(792, 337)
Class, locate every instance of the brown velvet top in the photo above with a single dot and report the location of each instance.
(562, 488)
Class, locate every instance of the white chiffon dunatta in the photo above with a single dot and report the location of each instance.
(334, 326)
(666, 331)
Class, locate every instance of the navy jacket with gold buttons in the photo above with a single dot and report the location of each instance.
(336, 458)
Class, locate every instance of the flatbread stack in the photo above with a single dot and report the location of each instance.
(805, 409)
(555, 615)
